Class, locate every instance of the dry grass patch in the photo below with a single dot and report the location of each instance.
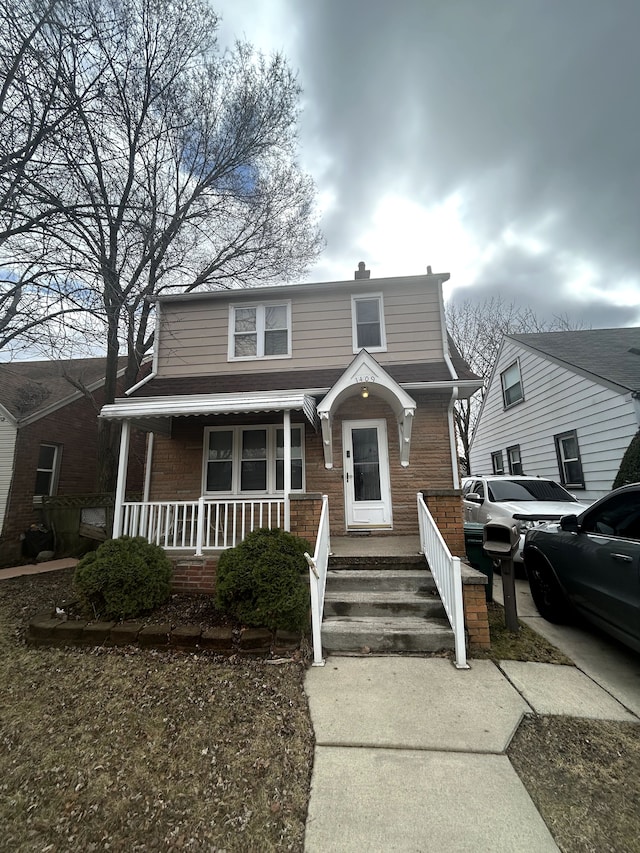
(133, 750)
(584, 777)
(526, 644)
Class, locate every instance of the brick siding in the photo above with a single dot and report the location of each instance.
(74, 428)
(476, 619)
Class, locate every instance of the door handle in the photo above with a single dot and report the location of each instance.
(625, 558)
(347, 476)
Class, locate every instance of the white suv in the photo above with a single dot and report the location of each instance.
(525, 501)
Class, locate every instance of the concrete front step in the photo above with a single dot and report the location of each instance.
(378, 580)
(386, 634)
(385, 603)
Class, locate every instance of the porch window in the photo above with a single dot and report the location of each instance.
(569, 461)
(243, 460)
(259, 331)
(367, 313)
(47, 470)
(512, 385)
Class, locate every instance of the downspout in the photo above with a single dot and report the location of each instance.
(454, 396)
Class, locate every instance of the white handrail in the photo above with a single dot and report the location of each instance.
(446, 572)
(318, 565)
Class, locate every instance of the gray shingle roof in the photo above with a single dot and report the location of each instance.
(609, 355)
(28, 386)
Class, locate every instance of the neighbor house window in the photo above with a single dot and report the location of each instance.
(514, 460)
(569, 459)
(47, 470)
(260, 331)
(241, 460)
(367, 313)
(511, 385)
(497, 462)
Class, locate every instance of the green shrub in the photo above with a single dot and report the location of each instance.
(629, 471)
(262, 581)
(123, 578)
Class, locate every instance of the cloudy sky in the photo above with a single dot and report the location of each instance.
(498, 140)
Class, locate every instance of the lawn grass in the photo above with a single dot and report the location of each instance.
(526, 644)
(136, 750)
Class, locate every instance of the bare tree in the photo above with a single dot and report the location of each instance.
(477, 329)
(180, 173)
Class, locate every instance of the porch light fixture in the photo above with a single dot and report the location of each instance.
(364, 392)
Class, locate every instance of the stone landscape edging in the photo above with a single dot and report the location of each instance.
(45, 630)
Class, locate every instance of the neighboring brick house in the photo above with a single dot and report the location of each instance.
(48, 441)
(262, 400)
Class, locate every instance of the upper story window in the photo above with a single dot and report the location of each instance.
(47, 470)
(367, 315)
(260, 331)
(511, 385)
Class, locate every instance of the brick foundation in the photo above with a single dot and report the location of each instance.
(194, 574)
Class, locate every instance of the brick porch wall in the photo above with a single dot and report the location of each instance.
(194, 574)
(476, 619)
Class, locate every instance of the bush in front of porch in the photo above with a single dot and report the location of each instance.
(123, 578)
(262, 581)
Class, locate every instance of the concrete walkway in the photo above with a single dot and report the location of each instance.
(38, 568)
(410, 752)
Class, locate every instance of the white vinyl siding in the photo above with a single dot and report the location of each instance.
(557, 401)
(194, 335)
(8, 434)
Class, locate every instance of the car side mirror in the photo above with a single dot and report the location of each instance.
(570, 523)
(474, 497)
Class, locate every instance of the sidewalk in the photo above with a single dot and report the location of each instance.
(38, 568)
(410, 752)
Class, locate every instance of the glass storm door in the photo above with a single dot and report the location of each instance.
(366, 474)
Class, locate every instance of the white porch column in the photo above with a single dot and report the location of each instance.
(121, 484)
(287, 469)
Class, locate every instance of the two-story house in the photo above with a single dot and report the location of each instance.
(261, 400)
(563, 405)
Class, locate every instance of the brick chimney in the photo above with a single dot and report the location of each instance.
(361, 272)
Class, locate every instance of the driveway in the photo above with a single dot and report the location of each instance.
(610, 664)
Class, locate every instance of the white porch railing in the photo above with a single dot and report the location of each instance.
(446, 573)
(318, 565)
(207, 523)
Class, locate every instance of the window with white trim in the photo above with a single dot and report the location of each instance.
(47, 471)
(497, 462)
(569, 461)
(259, 331)
(367, 315)
(514, 460)
(512, 385)
(250, 460)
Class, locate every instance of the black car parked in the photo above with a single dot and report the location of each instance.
(591, 562)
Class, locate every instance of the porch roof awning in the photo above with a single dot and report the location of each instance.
(210, 404)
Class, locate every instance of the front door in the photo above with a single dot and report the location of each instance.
(366, 474)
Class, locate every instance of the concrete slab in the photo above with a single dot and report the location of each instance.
(613, 666)
(400, 800)
(552, 689)
(375, 546)
(413, 703)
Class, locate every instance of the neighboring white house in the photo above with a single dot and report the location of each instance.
(563, 405)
